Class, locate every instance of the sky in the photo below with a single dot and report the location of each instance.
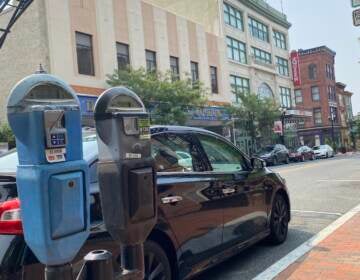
(327, 22)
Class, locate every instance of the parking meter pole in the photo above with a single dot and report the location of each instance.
(61, 272)
(132, 259)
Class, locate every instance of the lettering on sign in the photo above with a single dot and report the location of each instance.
(295, 63)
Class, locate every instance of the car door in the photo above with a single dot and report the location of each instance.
(245, 210)
(278, 153)
(188, 198)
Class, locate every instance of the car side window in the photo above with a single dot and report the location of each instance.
(222, 156)
(175, 153)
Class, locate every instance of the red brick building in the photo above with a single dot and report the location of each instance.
(317, 94)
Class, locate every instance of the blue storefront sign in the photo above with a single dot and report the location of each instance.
(209, 114)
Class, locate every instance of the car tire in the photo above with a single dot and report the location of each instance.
(287, 160)
(327, 155)
(302, 158)
(157, 264)
(279, 220)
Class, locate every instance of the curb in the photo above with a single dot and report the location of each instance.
(278, 267)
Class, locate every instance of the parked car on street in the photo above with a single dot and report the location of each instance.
(323, 151)
(222, 202)
(275, 154)
(302, 153)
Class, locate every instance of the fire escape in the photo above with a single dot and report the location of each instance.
(13, 9)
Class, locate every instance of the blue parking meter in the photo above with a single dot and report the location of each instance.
(52, 176)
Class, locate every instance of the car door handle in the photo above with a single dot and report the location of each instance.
(171, 199)
(228, 190)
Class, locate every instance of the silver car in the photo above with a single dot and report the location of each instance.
(323, 151)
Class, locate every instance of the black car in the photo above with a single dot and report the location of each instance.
(275, 154)
(222, 203)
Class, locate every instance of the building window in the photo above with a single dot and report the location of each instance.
(236, 50)
(90, 105)
(282, 66)
(150, 61)
(233, 17)
(329, 69)
(298, 96)
(332, 93)
(85, 57)
(317, 116)
(174, 67)
(315, 93)
(312, 72)
(239, 85)
(214, 79)
(285, 95)
(261, 56)
(280, 40)
(258, 30)
(123, 55)
(194, 71)
(265, 91)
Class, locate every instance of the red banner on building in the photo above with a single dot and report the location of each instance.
(295, 64)
(278, 127)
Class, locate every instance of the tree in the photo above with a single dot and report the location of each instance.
(167, 98)
(258, 113)
(6, 135)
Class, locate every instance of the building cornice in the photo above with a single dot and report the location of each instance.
(316, 50)
(267, 11)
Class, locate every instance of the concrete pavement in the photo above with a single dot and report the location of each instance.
(321, 192)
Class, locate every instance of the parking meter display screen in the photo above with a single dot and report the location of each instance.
(48, 93)
(124, 103)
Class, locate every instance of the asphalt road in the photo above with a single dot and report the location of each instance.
(321, 191)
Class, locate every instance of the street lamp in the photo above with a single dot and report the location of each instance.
(282, 118)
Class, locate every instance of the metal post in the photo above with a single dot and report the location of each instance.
(332, 131)
(61, 272)
(132, 259)
(283, 128)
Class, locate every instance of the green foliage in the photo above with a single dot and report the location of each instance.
(6, 135)
(259, 113)
(167, 98)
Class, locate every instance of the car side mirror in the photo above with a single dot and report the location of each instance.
(257, 163)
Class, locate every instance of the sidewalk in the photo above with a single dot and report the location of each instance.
(336, 257)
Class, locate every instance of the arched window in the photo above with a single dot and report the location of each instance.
(265, 91)
(312, 72)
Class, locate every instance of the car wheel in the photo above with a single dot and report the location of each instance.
(302, 158)
(157, 265)
(279, 221)
(327, 155)
(287, 160)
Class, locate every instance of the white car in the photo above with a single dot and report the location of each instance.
(323, 151)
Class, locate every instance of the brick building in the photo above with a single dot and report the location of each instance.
(317, 93)
(345, 114)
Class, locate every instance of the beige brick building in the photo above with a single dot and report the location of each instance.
(236, 44)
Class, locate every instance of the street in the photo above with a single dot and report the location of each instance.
(321, 192)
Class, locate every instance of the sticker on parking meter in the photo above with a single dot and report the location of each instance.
(144, 129)
(55, 155)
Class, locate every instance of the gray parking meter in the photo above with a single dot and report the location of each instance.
(126, 173)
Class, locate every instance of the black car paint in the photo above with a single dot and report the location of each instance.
(278, 154)
(203, 229)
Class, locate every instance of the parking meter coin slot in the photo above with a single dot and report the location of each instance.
(141, 194)
(66, 191)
